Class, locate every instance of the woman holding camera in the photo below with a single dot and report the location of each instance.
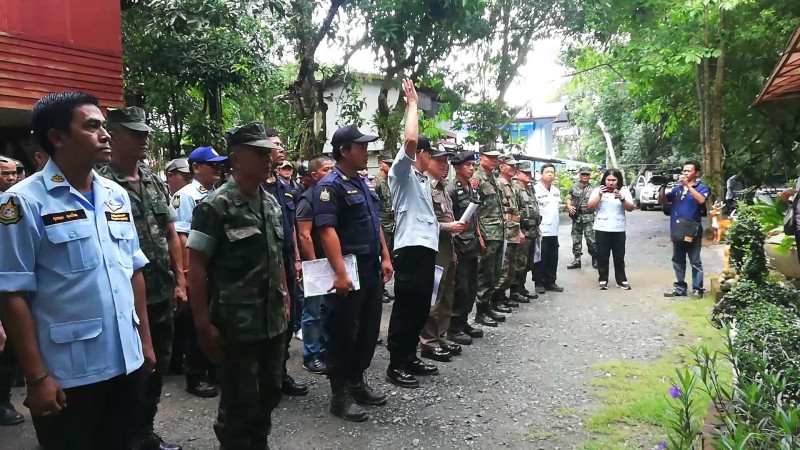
(611, 200)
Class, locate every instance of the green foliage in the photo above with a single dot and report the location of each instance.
(768, 342)
(642, 57)
(746, 238)
(486, 121)
(746, 293)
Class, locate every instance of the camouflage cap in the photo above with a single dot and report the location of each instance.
(508, 159)
(487, 151)
(131, 118)
(254, 134)
(386, 158)
(526, 167)
(585, 169)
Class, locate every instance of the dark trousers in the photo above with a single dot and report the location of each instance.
(98, 416)
(294, 311)
(7, 373)
(161, 320)
(249, 378)
(680, 250)
(195, 365)
(465, 292)
(611, 243)
(545, 270)
(353, 323)
(413, 281)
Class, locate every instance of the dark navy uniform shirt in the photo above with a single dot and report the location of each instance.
(349, 206)
(287, 197)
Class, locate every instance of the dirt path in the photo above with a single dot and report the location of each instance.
(523, 386)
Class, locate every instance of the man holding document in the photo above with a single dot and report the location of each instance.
(416, 241)
(346, 213)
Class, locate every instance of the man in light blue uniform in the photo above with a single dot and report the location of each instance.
(71, 285)
(205, 164)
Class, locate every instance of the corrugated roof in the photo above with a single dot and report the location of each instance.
(785, 79)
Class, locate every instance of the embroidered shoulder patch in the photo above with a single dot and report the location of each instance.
(176, 202)
(475, 183)
(325, 196)
(10, 213)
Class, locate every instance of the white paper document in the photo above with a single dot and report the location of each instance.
(318, 275)
(467, 216)
(437, 278)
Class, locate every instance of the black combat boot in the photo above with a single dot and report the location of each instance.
(364, 395)
(472, 331)
(342, 404)
(575, 264)
(482, 317)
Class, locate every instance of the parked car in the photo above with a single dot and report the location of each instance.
(646, 185)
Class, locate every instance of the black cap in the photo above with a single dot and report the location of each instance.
(303, 171)
(462, 157)
(440, 151)
(350, 133)
(423, 143)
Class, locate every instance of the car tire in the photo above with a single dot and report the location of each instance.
(643, 207)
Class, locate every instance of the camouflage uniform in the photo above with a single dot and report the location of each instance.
(490, 224)
(530, 218)
(583, 222)
(512, 229)
(243, 237)
(467, 250)
(152, 212)
(386, 213)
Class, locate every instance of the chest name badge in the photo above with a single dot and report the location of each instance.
(63, 217)
(118, 217)
(9, 213)
(325, 196)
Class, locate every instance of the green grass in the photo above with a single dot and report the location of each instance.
(634, 394)
(540, 435)
(564, 411)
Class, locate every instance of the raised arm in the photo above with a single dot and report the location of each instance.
(412, 119)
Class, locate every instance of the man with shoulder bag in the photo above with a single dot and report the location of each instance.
(686, 230)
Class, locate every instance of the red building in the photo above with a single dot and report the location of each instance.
(51, 46)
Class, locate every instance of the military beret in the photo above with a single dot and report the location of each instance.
(462, 157)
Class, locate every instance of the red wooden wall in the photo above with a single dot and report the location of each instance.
(58, 45)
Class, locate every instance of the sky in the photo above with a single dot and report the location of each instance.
(538, 80)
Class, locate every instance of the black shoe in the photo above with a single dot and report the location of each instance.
(594, 263)
(497, 317)
(484, 319)
(675, 293)
(501, 308)
(387, 295)
(603, 285)
(10, 416)
(440, 354)
(519, 297)
(454, 349)
(460, 338)
(625, 286)
(472, 331)
(315, 365)
(385, 299)
(343, 405)
(400, 377)
(154, 442)
(540, 290)
(531, 295)
(554, 287)
(291, 387)
(575, 264)
(201, 388)
(420, 368)
(697, 294)
(364, 395)
(510, 303)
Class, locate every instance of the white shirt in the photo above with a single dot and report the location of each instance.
(184, 202)
(610, 215)
(549, 206)
(413, 205)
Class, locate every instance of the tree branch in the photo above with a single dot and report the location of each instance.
(609, 65)
(326, 24)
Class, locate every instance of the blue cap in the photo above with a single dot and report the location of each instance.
(205, 154)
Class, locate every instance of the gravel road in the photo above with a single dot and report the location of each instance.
(524, 386)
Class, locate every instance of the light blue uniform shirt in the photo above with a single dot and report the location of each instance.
(415, 219)
(75, 261)
(184, 202)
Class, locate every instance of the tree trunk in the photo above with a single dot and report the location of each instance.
(714, 171)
